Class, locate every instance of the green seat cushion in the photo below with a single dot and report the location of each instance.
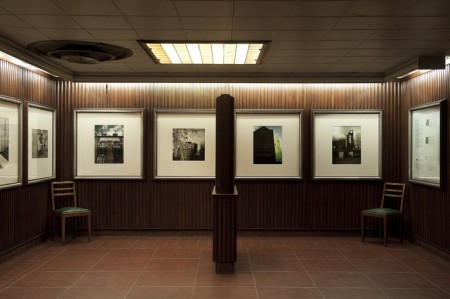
(68, 210)
(386, 211)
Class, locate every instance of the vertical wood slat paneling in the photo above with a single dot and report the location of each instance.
(265, 204)
(428, 208)
(24, 211)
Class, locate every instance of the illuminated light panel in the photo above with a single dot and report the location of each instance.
(205, 53)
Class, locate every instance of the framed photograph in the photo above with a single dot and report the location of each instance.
(41, 143)
(269, 144)
(109, 144)
(427, 144)
(347, 144)
(10, 142)
(185, 144)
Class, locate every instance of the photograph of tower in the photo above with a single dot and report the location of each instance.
(346, 145)
(267, 145)
(188, 144)
(109, 144)
(39, 143)
(4, 141)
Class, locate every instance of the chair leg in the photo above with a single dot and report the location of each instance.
(63, 229)
(53, 227)
(362, 226)
(385, 230)
(400, 225)
(89, 227)
(75, 226)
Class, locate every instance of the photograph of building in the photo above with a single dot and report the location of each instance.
(109, 144)
(267, 145)
(346, 145)
(188, 144)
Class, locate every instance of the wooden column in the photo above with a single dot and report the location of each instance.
(225, 193)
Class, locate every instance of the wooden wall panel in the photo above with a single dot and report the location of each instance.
(263, 204)
(25, 210)
(428, 208)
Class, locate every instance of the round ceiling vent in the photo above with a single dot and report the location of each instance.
(80, 52)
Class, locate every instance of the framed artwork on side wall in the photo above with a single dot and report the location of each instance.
(10, 142)
(109, 144)
(269, 144)
(428, 144)
(41, 143)
(347, 144)
(185, 144)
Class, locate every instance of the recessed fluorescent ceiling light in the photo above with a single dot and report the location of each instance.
(205, 53)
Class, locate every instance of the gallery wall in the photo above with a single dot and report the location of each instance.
(25, 210)
(263, 204)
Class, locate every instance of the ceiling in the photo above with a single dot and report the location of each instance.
(311, 40)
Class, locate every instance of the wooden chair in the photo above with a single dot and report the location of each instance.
(65, 191)
(394, 191)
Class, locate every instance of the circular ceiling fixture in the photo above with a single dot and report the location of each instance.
(79, 51)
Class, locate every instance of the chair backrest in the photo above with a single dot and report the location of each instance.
(64, 190)
(393, 191)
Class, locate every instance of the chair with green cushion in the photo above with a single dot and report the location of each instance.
(66, 192)
(393, 191)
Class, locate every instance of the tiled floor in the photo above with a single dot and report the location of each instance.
(180, 265)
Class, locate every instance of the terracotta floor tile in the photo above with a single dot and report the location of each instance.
(416, 293)
(48, 279)
(108, 279)
(429, 266)
(328, 265)
(352, 293)
(31, 293)
(181, 265)
(288, 293)
(373, 254)
(130, 253)
(399, 280)
(178, 253)
(161, 293)
(172, 279)
(282, 279)
(384, 266)
(96, 293)
(322, 254)
(213, 279)
(271, 254)
(224, 293)
(123, 264)
(441, 280)
(341, 279)
(69, 264)
(276, 265)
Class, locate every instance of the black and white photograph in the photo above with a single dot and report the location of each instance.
(188, 144)
(109, 144)
(4, 141)
(267, 148)
(39, 143)
(346, 145)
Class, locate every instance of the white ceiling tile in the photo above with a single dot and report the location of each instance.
(114, 34)
(251, 23)
(345, 68)
(312, 68)
(406, 52)
(357, 60)
(348, 34)
(369, 52)
(35, 7)
(390, 62)
(254, 35)
(396, 34)
(279, 68)
(425, 44)
(337, 44)
(302, 59)
(421, 22)
(71, 34)
(321, 8)
(155, 22)
(204, 8)
(310, 23)
(102, 22)
(132, 45)
(290, 45)
(382, 44)
(9, 21)
(25, 41)
(88, 7)
(21, 33)
(149, 34)
(366, 23)
(302, 35)
(144, 66)
(146, 8)
(248, 68)
(370, 8)
(2, 11)
(262, 8)
(428, 8)
(442, 34)
(200, 23)
(43, 21)
(206, 35)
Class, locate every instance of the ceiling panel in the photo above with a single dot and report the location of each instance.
(307, 36)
